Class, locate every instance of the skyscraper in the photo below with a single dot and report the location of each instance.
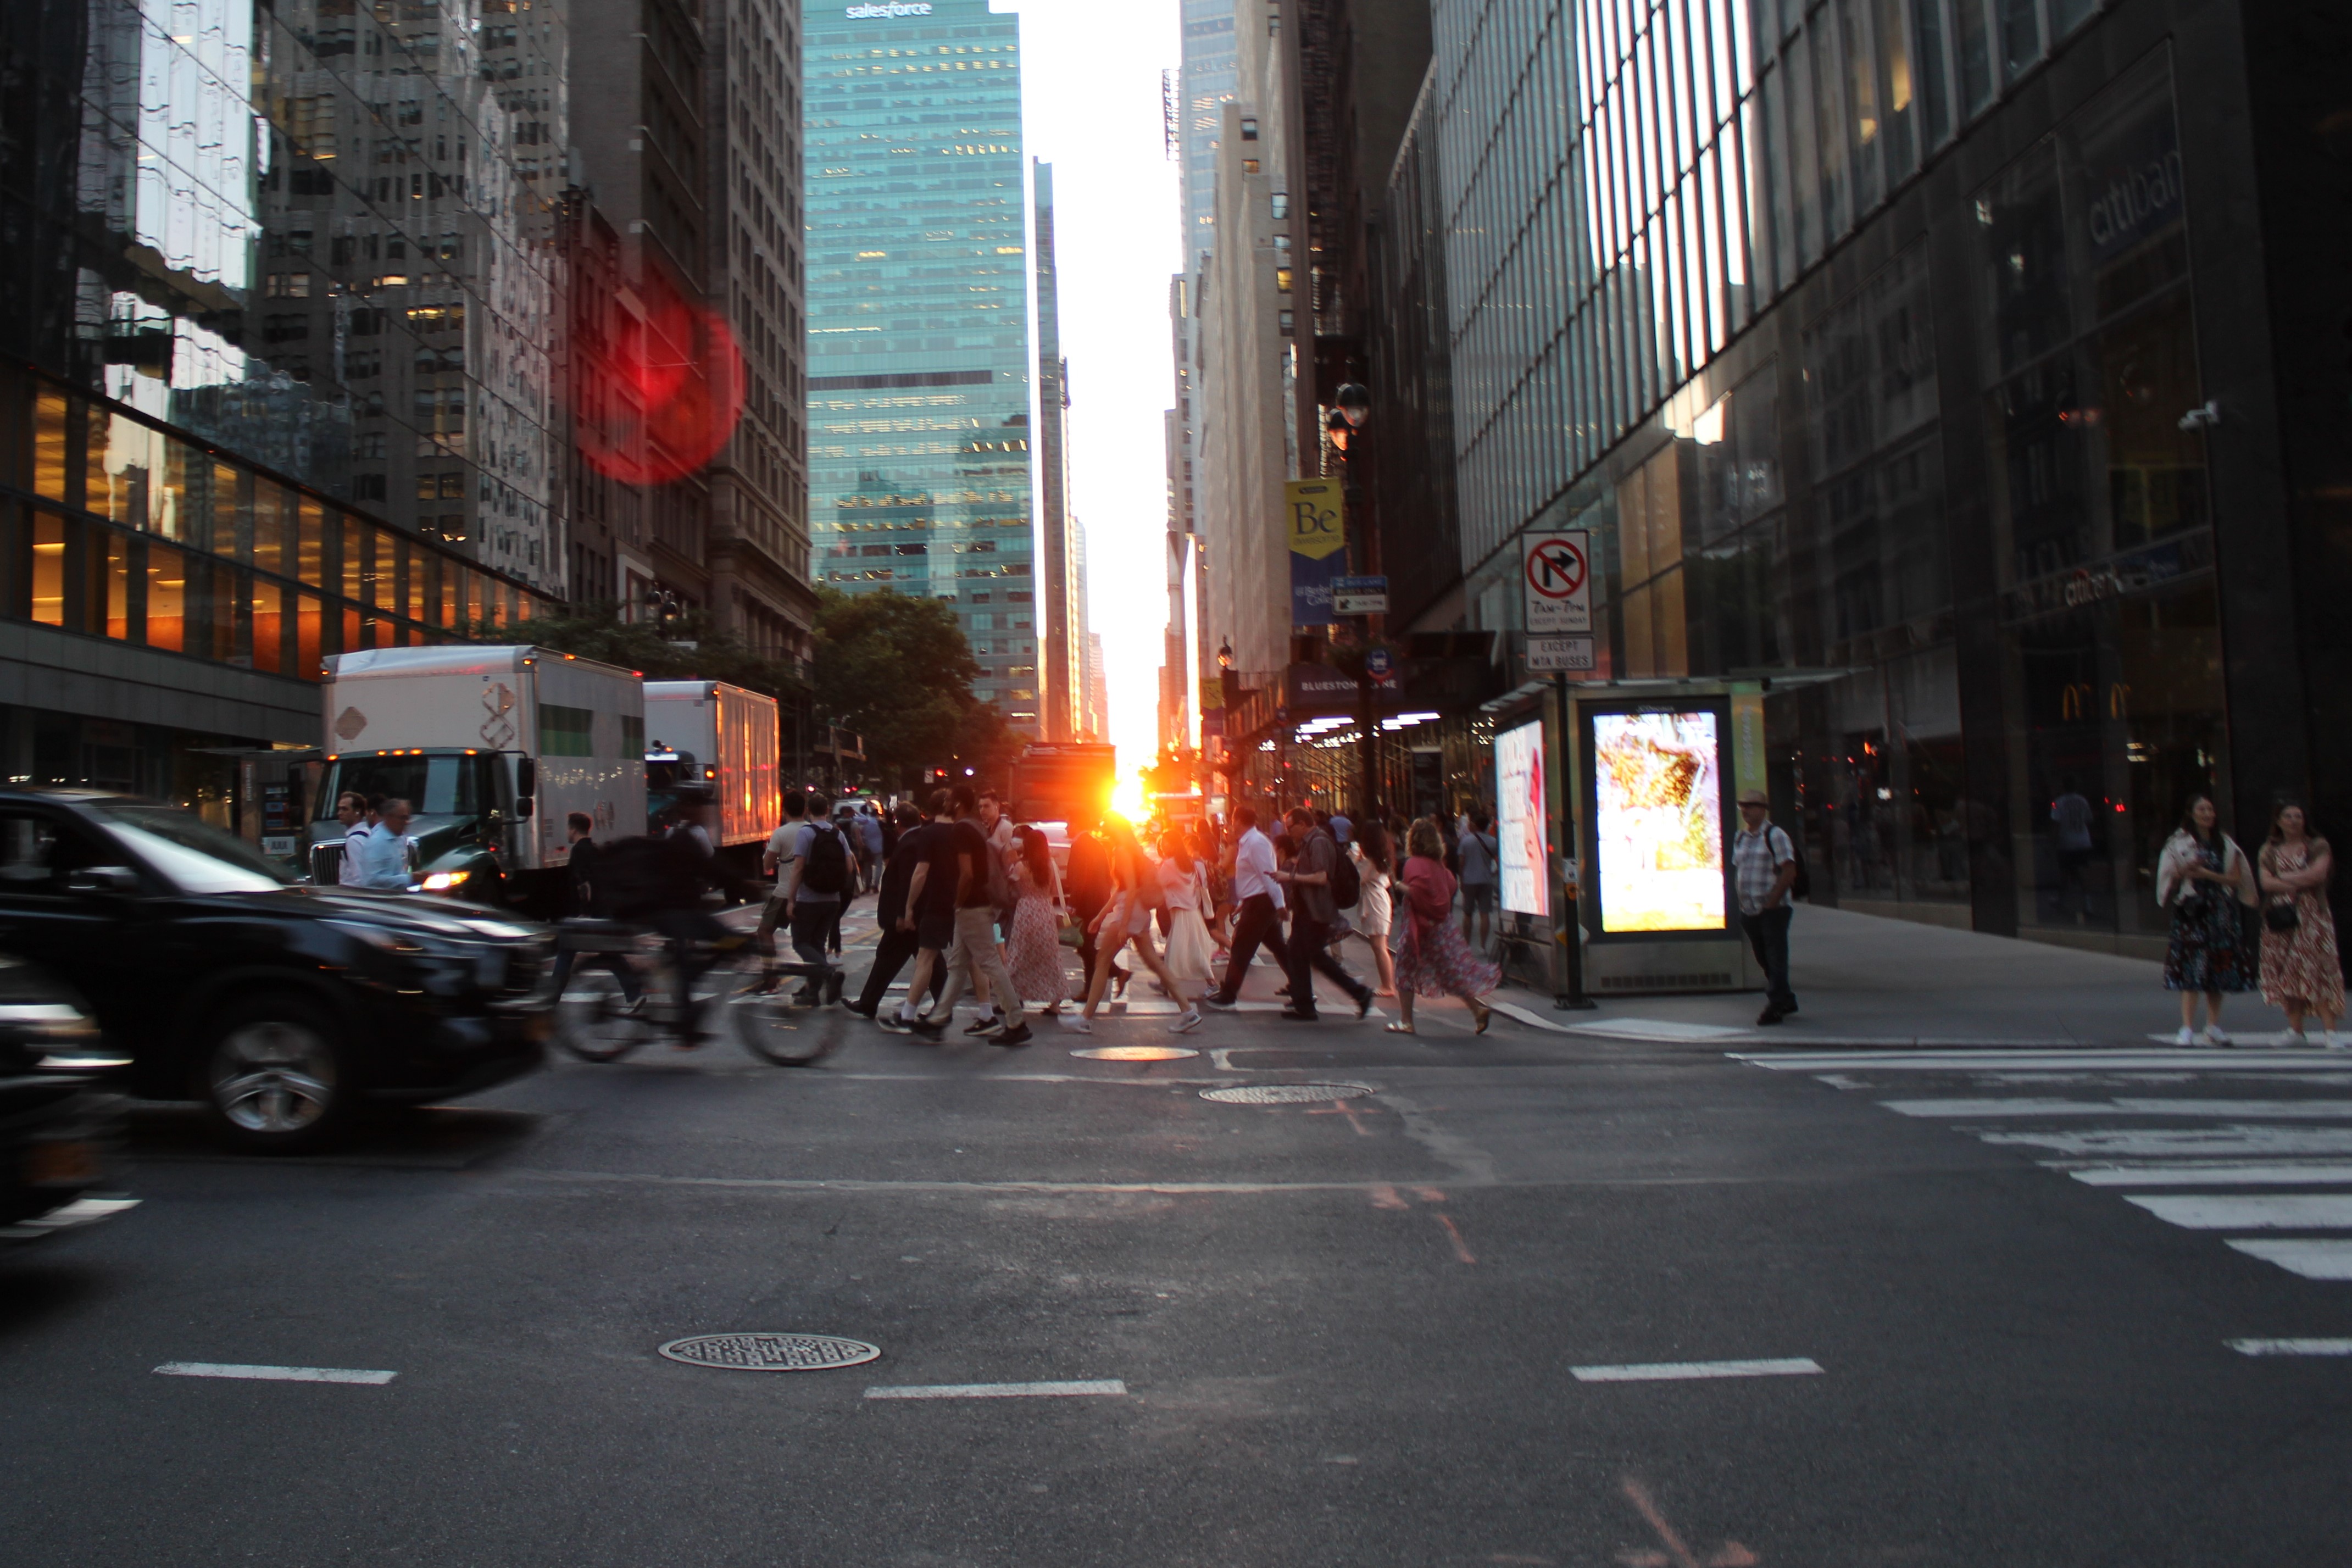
(1060, 614)
(919, 381)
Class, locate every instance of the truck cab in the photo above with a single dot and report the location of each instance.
(470, 807)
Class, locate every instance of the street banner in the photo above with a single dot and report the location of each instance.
(1556, 574)
(1315, 523)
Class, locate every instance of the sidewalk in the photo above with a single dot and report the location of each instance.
(1863, 979)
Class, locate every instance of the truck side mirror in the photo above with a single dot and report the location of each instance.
(526, 787)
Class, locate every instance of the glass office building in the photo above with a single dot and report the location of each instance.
(274, 364)
(1889, 349)
(918, 352)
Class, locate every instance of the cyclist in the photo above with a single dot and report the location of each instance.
(659, 882)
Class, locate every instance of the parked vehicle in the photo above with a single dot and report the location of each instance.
(283, 1008)
(59, 1132)
(493, 748)
(724, 738)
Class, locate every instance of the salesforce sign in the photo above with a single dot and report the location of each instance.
(882, 13)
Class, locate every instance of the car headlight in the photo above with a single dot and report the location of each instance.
(441, 881)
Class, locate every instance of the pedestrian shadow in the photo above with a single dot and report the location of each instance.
(35, 1291)
(421, 1138)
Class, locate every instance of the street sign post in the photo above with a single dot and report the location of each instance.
(1359, 595)
(1556, 575)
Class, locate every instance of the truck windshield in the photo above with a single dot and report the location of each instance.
(432, 786)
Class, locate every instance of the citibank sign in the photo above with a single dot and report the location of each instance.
(883, 12)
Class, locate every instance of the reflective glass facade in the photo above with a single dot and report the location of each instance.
(918, 352)
(1881, 385)
(315, 235)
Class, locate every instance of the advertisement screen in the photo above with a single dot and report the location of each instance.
(1522, 828)
(1658, 821)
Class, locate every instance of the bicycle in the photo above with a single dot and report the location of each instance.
(597, 1021)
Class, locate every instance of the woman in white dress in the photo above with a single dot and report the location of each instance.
(1374, 916)
(1124, 922)
(1184, 886)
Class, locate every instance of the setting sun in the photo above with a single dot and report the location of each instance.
(1127, 798)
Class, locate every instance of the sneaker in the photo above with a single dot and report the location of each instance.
(1019, 1035)
(1075, 1024)
(1769, 1016)
(1190, 1021)
(926, 1028)
(2187, 1037)
(993, 1024)
(2214, 1037)
(2333, 1041)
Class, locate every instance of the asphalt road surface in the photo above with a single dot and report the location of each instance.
(1982, 1311)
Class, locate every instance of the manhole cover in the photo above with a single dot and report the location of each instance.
(1134, 1053)
(771, 1352)
(1285, 1093)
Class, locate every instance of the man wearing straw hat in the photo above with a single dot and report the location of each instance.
(1764, 867)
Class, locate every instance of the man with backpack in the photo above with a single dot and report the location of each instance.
(973, 954)
(1764, 871)
(1321, 882)
(821, 878)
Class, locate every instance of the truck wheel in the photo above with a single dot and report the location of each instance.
(274, 1074)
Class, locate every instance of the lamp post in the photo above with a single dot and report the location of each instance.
(1351, 409)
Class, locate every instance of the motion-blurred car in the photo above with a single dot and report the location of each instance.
(284, 1009)
(59, 1131)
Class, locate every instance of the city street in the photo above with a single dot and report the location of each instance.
(1987, 1303)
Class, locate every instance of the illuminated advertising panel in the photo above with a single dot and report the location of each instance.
(1521, 826)
(1657, 818)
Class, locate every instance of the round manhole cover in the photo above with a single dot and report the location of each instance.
(1285, 1093)
(771, 1352)
(1134, 1053)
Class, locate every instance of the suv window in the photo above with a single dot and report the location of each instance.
(37, 851)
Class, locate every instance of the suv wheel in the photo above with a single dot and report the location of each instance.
(272, 1075)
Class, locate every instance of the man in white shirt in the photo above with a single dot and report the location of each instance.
(1258, 899)
(384, 852)
(784, 847)
(351, 811)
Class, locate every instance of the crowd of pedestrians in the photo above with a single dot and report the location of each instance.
(968, 901)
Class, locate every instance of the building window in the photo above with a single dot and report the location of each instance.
(1249, 127)
(1281, 204)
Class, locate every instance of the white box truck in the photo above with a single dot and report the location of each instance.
(493, 748)
(723, 737)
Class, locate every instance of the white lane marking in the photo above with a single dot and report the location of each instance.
(2160, 1142)
(2281, 1110)
(273, 1374)
(1657, 1029)
(2291, 1347)
(2243, 1211)
(2200, 1175)
(997, 1390)
(2312, 1259)
(1680, 1371)
(1999, 1060)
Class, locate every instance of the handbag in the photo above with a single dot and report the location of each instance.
(2279, 915)
(1068, 929)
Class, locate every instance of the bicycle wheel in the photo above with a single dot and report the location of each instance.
(766, 1026)
(594, 1018)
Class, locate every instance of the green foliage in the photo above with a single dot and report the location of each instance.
(898, 671)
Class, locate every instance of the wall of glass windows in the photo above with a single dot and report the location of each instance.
(919, 466)
(115, 527)
(314, 233)
(1923, 460)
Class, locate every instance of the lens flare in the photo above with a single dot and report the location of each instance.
(662, 402)
(1127, 798)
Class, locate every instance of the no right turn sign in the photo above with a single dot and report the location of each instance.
(1557, 576)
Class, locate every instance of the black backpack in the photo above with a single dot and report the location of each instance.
(1347, 882)
(825, 863)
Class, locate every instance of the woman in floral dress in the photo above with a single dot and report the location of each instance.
(1033, 954)
(2203, 878)
(1434, 958)
(2301, 972)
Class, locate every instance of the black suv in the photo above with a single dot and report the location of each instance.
(282, 1008)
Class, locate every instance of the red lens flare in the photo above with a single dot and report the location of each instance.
(660, 403)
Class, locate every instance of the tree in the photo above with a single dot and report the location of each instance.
(898, 671)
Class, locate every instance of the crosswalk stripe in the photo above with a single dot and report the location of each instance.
(2157, 1142)
(2292, 1347)
(2195, 1060)
(2283, 1109)
(2312, 1259)
(2205, 1175)
(2243, 1211)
